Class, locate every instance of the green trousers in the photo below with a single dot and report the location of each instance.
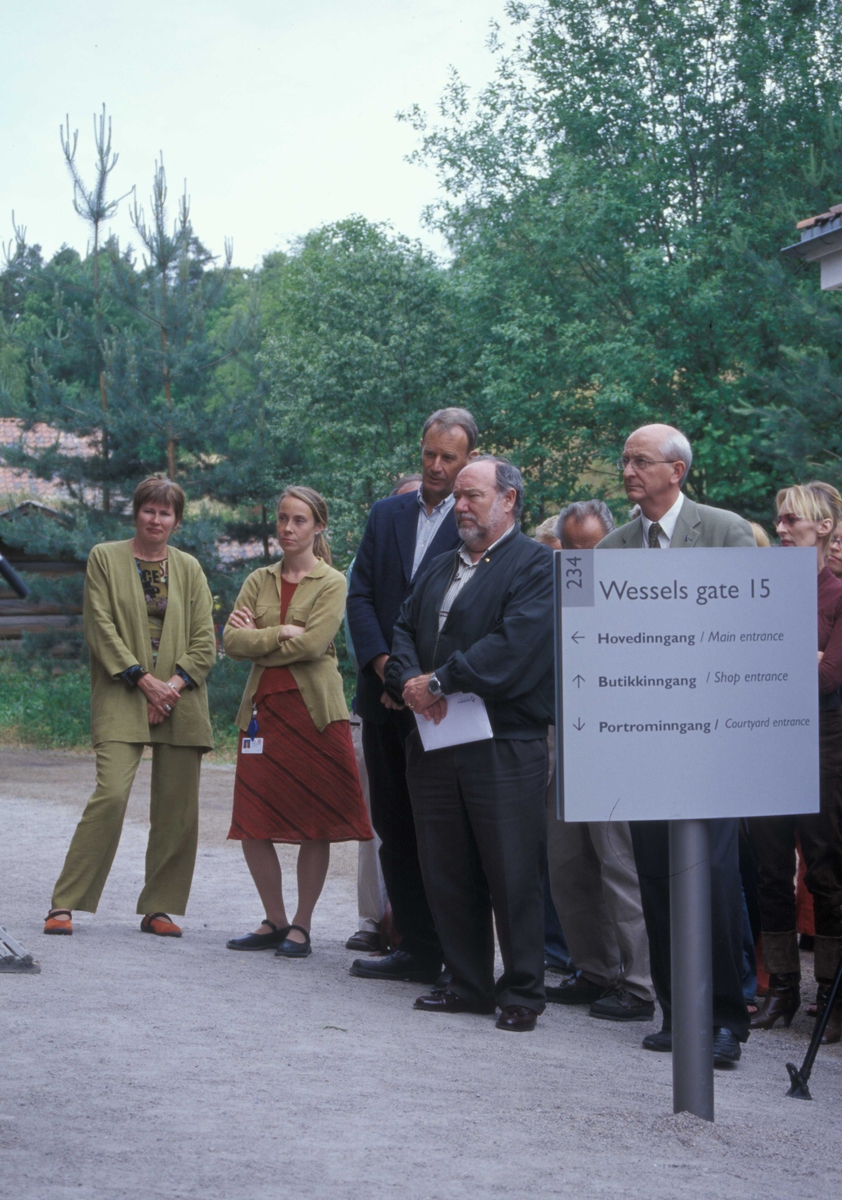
(173, 833)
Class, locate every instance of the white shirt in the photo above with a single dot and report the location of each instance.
(667, 524)
(464, 573)
(428, 526)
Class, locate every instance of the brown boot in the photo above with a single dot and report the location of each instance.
(833, 1029)
(782, 1000)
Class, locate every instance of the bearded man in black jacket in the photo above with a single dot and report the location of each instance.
(480, 620)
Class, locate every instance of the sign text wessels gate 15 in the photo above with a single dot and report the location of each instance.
(689, 683)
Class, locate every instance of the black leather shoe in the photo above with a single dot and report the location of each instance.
(260, 941)
(578, 989)
(660, 1041)
(726, 1048)
(290, 949)
(365, 940)
(517, 1018)
(619, 1004)
(397, 965)
(445, 1001)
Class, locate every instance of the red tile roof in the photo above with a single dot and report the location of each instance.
(15, 481)
(830, 215)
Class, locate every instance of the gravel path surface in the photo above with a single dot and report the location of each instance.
(138, 1068)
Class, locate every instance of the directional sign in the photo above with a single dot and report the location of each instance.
(687, 683)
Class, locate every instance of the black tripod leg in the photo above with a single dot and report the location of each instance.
(800, 1077)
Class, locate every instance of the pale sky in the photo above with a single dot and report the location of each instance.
(280, 116)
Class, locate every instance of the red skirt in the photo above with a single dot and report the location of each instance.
(304, 786)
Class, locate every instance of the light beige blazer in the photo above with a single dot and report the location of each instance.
(117, 632)
(318, 605)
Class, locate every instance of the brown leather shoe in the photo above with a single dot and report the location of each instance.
(449, 1002)
(160, 924)
(578, 989)
(51, 925)
(782, 1000)
(833, 1029)
(518, 1018)
(364, 939)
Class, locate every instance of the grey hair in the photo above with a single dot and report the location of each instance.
(508, 477)
(404, 481)
(452, 418)
(676, 448)
(579, 511)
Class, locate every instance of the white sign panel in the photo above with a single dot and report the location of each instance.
(688, 683)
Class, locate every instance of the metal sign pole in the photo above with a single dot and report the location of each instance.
(692, 968)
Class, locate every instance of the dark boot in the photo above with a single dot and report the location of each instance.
(782, 1000)
(833, 1029)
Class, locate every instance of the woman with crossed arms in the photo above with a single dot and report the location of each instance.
(296, 778)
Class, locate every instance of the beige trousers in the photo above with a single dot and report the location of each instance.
(371, 890)
(173, 832)
(596, 894)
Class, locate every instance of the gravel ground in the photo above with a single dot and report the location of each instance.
(138, 1068)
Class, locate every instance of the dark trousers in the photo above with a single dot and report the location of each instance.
(481, 824)
(650, 840)
(384, 747)
(821, 844)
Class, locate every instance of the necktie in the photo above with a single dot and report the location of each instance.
(655, 532)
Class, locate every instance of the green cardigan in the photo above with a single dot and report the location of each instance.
(318, 605)
(117, 633)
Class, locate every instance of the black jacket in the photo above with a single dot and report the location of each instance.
(379, 586)
(497, 640)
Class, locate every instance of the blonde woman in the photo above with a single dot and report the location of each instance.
(296, 778)
(807, 516)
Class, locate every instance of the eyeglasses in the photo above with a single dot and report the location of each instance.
(837, 540)
(640, 464)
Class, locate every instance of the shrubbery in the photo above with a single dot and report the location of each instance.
(47, 710)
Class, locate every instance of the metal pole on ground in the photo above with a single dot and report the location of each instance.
(692, 968)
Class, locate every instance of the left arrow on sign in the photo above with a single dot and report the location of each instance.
(577, 637)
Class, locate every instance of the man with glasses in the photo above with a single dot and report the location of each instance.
(655, 462)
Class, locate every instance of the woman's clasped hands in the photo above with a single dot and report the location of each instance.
(161, 696)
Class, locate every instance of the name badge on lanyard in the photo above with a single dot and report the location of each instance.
(252, 744)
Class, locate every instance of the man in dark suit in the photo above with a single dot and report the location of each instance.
(480, 621)
(655, 462)
(402, 537)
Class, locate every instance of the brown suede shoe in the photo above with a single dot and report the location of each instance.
(160, 924)
(51, 925)
(833, 1029)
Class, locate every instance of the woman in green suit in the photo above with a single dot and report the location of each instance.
(148, 625)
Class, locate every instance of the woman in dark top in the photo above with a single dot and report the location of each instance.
(807, 516)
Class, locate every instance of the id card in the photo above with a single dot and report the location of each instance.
(252, 745)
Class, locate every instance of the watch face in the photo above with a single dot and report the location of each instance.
(434, 687)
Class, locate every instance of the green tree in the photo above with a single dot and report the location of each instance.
(615, 200)
(361, 346)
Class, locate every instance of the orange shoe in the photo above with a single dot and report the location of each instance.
(161, 924)
(51, 925)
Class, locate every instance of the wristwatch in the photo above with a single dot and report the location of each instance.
(434, 686)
